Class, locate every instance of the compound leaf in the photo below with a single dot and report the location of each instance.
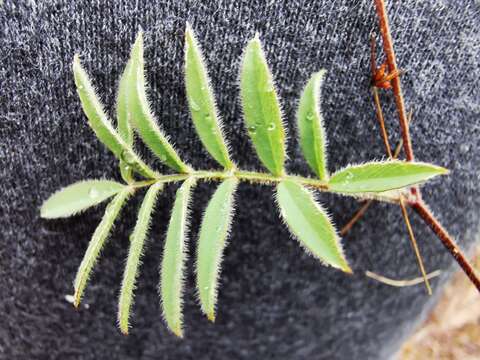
(174, 255)
(137, 240)
(310, 126)
(142, 116)
(382, 176)
(214, 230)
(310, 224)
(101, 124)
(97, 242)
(201, 102)
(261, 108)
(78, 197)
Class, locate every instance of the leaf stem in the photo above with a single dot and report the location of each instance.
(396, 84)
(258, 178)
(418, 205)
(357, 216)
(415, 245)
(424, 212)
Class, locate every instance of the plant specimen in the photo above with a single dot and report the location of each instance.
(308, 221)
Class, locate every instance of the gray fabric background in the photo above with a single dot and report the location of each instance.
(275, 302)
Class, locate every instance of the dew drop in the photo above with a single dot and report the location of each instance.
(93, 193)
(194, 105)
(127, 157)
(269, 87)
(271, 126)
(252, 129)
(208, 118)
(309, 116)
(348, 177)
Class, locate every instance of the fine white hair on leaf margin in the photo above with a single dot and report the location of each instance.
(313, 196)
(143, 93)
(99, 238)
(187, 186)
(317, 92)
(210, 91)
(140, 231)
(279, 102)
(218, 263)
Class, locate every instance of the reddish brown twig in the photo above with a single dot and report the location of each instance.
(418, 205)
(396, 83)
(360, 212)
(422, 209)
(383, 132)
(378, 106)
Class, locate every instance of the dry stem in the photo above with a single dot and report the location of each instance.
(419, 206)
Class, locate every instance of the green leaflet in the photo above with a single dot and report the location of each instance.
(201, 102)
(261, 108)
(142, 117)
(310, 224)
(96, 243)
(382, 176)
(101, 125)
(133, 261)
(78, 197)
(171, 274)
(310, 126)
(123, 119)
(212, 239)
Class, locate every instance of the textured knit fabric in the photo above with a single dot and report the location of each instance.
(275, 301)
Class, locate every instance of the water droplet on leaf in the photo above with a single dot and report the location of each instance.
(271, 126)
(252, 129)
(194, 105)
(348, 177)
(269, 87)
(127, 157)
(93, 193)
